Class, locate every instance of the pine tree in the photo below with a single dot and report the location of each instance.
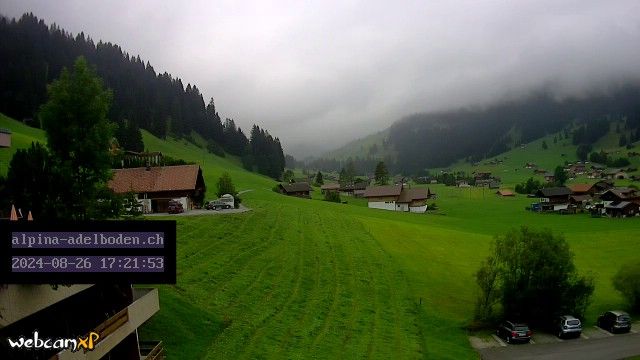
(319, 179)
(381, 174)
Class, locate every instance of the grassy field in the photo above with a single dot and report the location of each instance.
(297, 278)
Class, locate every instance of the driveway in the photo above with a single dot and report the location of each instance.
(608, 346)
(204, 212)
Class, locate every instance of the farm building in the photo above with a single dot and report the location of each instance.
(332, 187)
(355, 189)
(549, 177)
(580, 201)
(614, 174)
(299, 189)
(621, 194)
(582, 189)
(622, 209)
(505, 192)
(554, 198)
(155, 186)
(397, 198)
(5, 138)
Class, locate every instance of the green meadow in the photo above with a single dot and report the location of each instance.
(299, 278)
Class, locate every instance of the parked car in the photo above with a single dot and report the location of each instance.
(226, 201)
(175, 207)
(567, 326)
(514, 332)
(615, 321)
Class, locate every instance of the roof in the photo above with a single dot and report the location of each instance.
(580, 198)
(580, 187)
(296, 187)
(331, 186)
(155, 179)
(408, 195)
(379, 191)
(505, 192)
(622, 193)
(619, 205)
(554, 191)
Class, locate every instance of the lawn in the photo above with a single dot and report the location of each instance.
(299, 278)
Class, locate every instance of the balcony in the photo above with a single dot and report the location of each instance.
(115, 329)
(20, 301)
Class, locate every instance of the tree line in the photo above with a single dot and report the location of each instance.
(33, 54)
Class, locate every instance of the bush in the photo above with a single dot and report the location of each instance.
(627, 282)
(332, 196)
(531, 275)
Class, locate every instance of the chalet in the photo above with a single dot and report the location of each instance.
(602, 186)
(299, 189)
(615, 174)
(554, 198)
(622, 209)
(155, 186)
(355, 189)
(331, 187)
(505, 192)
(397, 198)
(549, 177)
(582, 189)
(581, 202)
(530, 165)
(620, 194)
(5, 138)
(577, 169)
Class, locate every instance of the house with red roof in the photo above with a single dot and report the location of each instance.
(155, 186)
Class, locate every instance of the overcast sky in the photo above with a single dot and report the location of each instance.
(320, 73)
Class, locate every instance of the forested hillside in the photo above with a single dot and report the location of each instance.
(425, 141)
(33, 54)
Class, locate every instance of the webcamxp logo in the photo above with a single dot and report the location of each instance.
(87, 342)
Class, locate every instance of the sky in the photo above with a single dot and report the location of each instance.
(320, 73)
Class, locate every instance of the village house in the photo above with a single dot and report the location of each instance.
(355, 189)
(398, 198)
(530, 165)
(549, 177)
(155, 186)
(331, 187)
(5, 138)
(582, 189)
(554, 198)
(578, 168)
(615, 174)
(622, 209)
(299, 189)
(620, 194)
(602, 186)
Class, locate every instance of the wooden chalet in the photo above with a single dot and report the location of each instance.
(155, 186)
(356, 189)
(398, 198)
(331, 187)
(554, 198)
(621, 194)
(582, 189)
(622, 209)
(298, 189)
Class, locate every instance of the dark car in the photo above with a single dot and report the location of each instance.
(175, 207)
(567, 326)
(615, 321)
(217, 205)
(513, 332)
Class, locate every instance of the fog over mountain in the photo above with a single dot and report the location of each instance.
(320, 74)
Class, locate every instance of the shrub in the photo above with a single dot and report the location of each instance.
(332, 196)
(627, 282)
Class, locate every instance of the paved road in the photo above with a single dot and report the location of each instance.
(612, 347)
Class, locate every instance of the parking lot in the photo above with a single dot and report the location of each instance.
(595, 343)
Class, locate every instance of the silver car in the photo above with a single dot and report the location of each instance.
(569, 326)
